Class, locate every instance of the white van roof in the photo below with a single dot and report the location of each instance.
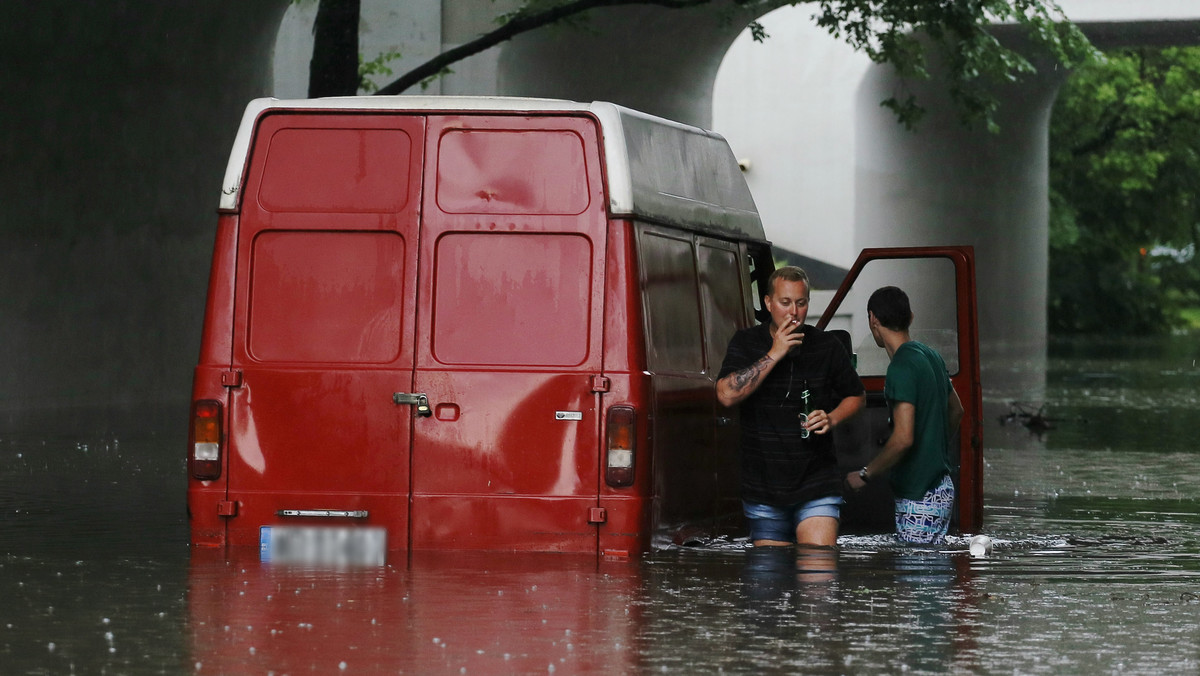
(658, 170)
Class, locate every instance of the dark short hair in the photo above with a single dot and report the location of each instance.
(891, 308)
(788, 273)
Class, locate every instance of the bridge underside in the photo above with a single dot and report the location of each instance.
(119, 116)
(117, 122)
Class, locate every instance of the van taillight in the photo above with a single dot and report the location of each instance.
(205, 439)
(621, 446)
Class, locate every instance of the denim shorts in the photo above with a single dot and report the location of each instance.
(768, 522)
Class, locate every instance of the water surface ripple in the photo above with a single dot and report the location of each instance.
(1095, 568)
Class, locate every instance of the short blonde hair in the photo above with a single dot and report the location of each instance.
(788, 273)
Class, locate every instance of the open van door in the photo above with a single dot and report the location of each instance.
(940, 283)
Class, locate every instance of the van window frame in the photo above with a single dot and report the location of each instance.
(643, 231)
(760, 264)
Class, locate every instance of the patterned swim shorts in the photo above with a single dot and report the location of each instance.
(927, 520)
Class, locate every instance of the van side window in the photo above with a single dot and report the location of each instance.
(761, 267)
(512, 298)
(724, 307)
(672, 305)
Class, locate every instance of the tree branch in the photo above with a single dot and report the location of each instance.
(521, 22)
(883, 29)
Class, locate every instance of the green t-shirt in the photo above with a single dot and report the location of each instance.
(917, 375)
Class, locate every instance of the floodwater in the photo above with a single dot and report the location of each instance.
(1095, 569)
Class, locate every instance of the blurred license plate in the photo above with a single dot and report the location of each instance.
(323, 545)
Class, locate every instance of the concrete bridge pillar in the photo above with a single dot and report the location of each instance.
(944, 183)
(652, 59)
(118, 117)
(117, 122)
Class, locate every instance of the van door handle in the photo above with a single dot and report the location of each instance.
(420, 400)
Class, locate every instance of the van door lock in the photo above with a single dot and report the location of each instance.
(420, 400)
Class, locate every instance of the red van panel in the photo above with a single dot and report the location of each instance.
(508, 341)
(323, 328)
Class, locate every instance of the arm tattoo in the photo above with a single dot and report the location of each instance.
(751, 375)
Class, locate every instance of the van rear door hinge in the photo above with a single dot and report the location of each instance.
(600, 384)
(231, 378)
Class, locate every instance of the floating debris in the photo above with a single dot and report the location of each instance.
(980, 546)
(1034, 419)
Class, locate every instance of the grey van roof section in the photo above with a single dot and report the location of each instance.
(658, 170)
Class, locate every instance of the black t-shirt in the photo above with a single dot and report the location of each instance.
(778, 466)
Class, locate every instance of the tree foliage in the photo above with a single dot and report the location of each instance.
(903, 32)
(1125, 162)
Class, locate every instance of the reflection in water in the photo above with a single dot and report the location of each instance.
(1095, 567)
(460, 613)
(768, 571)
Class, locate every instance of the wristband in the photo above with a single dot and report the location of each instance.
(862, 474)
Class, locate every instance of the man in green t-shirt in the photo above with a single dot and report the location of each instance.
(926, 412)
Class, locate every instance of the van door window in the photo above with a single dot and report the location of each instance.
(476, 172)
(672, 304)
(930, 285)
(337, 171)
(721, 292)
(512, 298)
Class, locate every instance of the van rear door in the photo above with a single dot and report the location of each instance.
(326, 268)
(509, 339)
(940, 283)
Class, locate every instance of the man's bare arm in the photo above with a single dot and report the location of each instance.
(735, 387)
(904, 416)
(954, 416)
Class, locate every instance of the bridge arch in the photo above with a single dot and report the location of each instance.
(871, 183)
(120, 116)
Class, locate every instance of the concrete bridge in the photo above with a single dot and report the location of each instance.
(117, 118)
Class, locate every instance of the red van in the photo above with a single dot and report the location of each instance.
(470, 323)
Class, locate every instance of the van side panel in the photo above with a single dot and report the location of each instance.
(326, 269)
(684, 477)
(216, 343)
(509, 334)
(206, 525)
(726, 307)
(628, 528)
(693, 301)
